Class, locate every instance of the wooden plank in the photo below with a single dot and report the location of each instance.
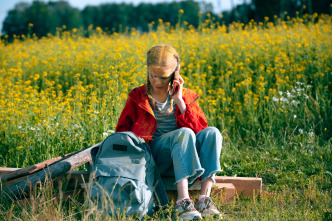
(50, 172)
(32, 169)
(169, 184)
(77, 177)
(15, 174)
(245, 186)
(4, 170)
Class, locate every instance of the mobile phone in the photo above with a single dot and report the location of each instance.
(175, 88)
(175, 76)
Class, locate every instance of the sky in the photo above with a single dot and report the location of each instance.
(218, 5)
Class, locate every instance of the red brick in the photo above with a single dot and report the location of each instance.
(245, 186)
(224, 191)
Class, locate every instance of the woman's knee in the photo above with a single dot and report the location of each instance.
(185, 131)
(210, 139)
(185, 137)
(213, 131)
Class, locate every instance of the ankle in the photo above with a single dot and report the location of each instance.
(201, 197)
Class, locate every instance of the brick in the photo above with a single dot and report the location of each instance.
(245, 186)
(224, 191)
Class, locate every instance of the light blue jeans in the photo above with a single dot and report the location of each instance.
(184, 154)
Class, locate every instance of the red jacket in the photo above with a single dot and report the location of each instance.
(137, 115)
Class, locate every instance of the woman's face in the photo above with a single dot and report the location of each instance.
(160, 77)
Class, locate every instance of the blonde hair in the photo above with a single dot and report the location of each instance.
(160, 56)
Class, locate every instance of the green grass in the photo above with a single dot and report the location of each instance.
(296, 186)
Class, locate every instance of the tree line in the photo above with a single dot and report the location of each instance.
(42, 18)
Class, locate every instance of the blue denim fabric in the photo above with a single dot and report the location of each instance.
(184, 154)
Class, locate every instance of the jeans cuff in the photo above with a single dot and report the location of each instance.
(211, 175)
(191, 178)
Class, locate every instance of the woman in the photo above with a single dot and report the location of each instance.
(168, 118)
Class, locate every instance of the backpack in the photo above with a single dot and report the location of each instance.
(125, 178)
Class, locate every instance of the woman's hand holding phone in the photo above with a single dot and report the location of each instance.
(177, 90)
(177, 87)
(177, 84)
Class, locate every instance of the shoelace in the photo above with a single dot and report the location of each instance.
(209, 203)
(187, 205)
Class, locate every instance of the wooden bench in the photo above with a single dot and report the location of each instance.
(225, 188)
(224, 191)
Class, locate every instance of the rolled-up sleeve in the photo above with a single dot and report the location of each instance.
(127, 117)
(193, 118)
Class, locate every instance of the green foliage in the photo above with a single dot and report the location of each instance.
(46, 18)
(41, 18)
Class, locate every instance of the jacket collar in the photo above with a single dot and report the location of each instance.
(142, 98)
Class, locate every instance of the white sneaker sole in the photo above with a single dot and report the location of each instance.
(191, 216)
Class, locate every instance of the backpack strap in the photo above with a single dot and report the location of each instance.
(160, 191)
(158, 186)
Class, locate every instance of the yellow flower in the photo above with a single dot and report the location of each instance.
(19, 147)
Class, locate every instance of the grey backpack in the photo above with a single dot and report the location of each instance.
(125, 178)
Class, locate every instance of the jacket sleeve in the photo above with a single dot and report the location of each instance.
(127, 117)
(192, 118)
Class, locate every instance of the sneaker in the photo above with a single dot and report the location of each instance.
(207, 208)
(187, 211)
